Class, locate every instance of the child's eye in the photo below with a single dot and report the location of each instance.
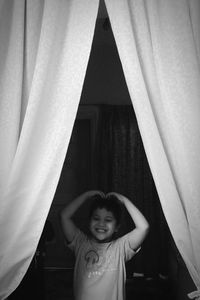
(109, 220)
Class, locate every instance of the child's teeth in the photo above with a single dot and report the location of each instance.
(100, 230)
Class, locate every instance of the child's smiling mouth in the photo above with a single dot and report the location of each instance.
(101, 230)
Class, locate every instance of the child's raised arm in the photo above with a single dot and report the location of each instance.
(69, 228)
(141, 229)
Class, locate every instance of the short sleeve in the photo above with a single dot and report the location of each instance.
(125, 248)
(77, 241)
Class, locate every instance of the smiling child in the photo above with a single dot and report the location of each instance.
(100, 256)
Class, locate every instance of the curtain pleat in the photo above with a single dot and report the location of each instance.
(11, 77)
(158, 44)
(44, 51)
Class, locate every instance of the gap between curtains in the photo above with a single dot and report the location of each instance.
(123, 167)
(44, 51)
(158, 44)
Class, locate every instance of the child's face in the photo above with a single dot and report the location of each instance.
(103, 225)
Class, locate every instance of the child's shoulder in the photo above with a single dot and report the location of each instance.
(79, 237)
(121, 240)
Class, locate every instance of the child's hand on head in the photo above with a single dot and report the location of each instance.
(94, 193)
(117, 195)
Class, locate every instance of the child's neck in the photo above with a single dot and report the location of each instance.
(96, 241)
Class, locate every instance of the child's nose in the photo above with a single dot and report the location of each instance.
(102, 223)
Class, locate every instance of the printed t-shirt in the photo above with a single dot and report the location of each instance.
(99, 272)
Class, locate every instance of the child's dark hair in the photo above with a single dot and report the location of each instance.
(110, 203)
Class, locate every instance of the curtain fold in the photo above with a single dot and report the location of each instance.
(44, 51)
(158, 44)
(11, 70)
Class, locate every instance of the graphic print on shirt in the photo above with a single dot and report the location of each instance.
(92, 259)
(96, 263)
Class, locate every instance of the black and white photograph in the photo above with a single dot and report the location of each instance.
(99, 149)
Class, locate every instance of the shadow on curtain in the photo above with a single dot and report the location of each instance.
(123, 167)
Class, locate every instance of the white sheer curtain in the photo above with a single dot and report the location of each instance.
(44, 51)
(159, 47)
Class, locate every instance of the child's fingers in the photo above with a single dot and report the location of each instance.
(112, 194)
(117, 195)
(103, 194)
(96, 192)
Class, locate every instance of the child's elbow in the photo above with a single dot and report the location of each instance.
(146, 228)
(63, 216)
